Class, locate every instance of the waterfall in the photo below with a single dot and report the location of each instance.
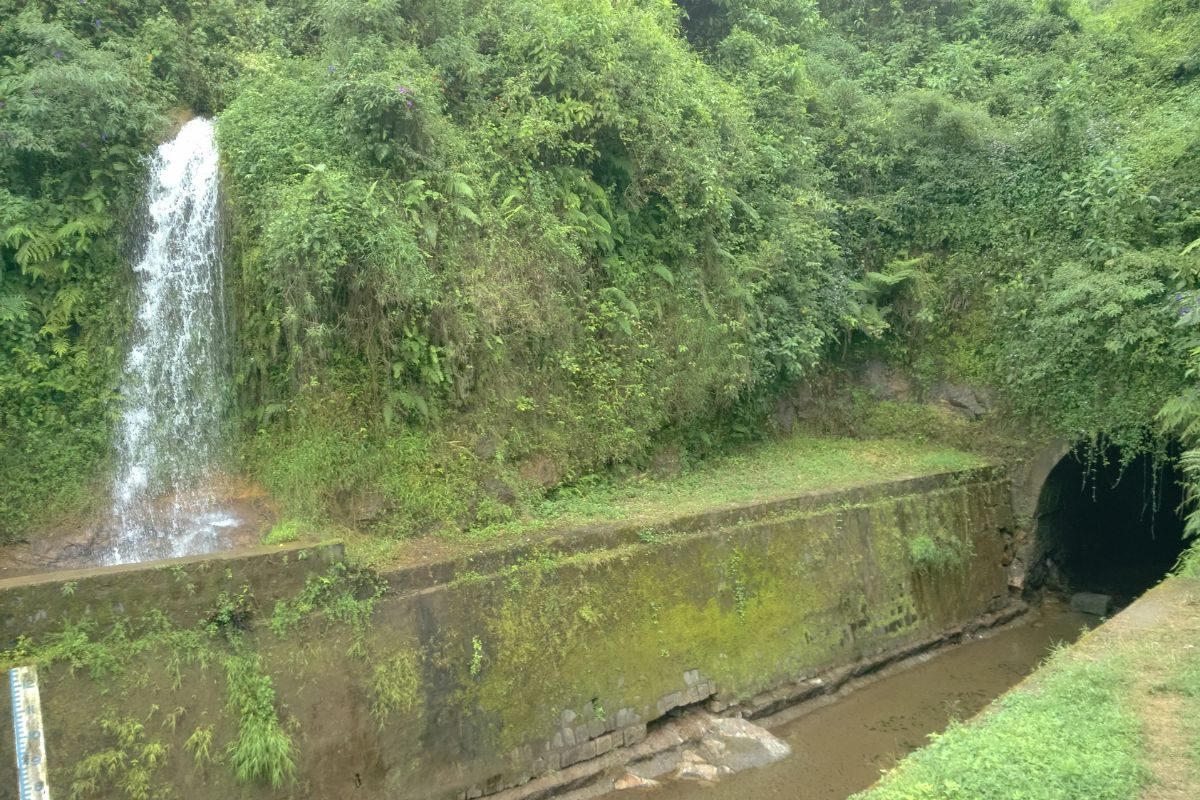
(173, 382)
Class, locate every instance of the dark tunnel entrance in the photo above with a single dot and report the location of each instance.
(1107, 529)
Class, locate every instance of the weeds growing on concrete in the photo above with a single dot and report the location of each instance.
(262, 750)
(123, 770)
(934, 552)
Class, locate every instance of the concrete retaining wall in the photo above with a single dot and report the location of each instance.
(474, 677)
(182, 590)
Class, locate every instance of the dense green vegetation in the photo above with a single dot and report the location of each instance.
(478, 249)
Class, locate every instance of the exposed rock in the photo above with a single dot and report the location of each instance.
(1091, 603)
(366, 507)
(886, 383)
(486, 448)
(795, 406)
(738, 744)
(785, 414)
(714, 749)
(969, 401)
(631, 781)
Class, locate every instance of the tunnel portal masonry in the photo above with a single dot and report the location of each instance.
(1098, 524)
(464, 679)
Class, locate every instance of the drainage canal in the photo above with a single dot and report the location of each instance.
(1103, 530)
(840, 746)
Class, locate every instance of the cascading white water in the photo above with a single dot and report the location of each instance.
(174, 385)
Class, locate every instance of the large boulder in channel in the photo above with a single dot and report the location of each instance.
(738, 744)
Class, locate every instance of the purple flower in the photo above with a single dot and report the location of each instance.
(97, 23)
(408, 103)
(402, 89)
(332, 69)
(57, 55)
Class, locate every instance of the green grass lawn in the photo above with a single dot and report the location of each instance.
(768, 472)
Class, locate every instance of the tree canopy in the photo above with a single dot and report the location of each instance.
(469, 239)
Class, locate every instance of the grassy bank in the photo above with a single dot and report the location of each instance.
(1112, 717)
(765, 472)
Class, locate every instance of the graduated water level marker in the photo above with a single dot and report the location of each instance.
(27, 730)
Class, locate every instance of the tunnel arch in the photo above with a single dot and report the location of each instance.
(1105, 526)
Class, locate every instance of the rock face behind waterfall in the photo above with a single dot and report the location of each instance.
(174, 386)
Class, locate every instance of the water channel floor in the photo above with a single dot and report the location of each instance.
(841, 747)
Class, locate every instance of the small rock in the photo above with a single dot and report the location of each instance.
(1016, 577)
(697, 772)
(368, 507)
(631, 781)
(1091, 603)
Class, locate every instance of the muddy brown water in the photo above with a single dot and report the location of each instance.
(840, 748)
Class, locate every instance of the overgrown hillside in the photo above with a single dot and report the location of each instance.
(476, 249)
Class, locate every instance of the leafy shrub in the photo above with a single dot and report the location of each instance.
(284, 532)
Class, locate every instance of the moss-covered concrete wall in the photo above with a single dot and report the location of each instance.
(176, 588)
(461, 688)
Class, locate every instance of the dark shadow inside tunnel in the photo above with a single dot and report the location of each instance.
(1107, 528)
